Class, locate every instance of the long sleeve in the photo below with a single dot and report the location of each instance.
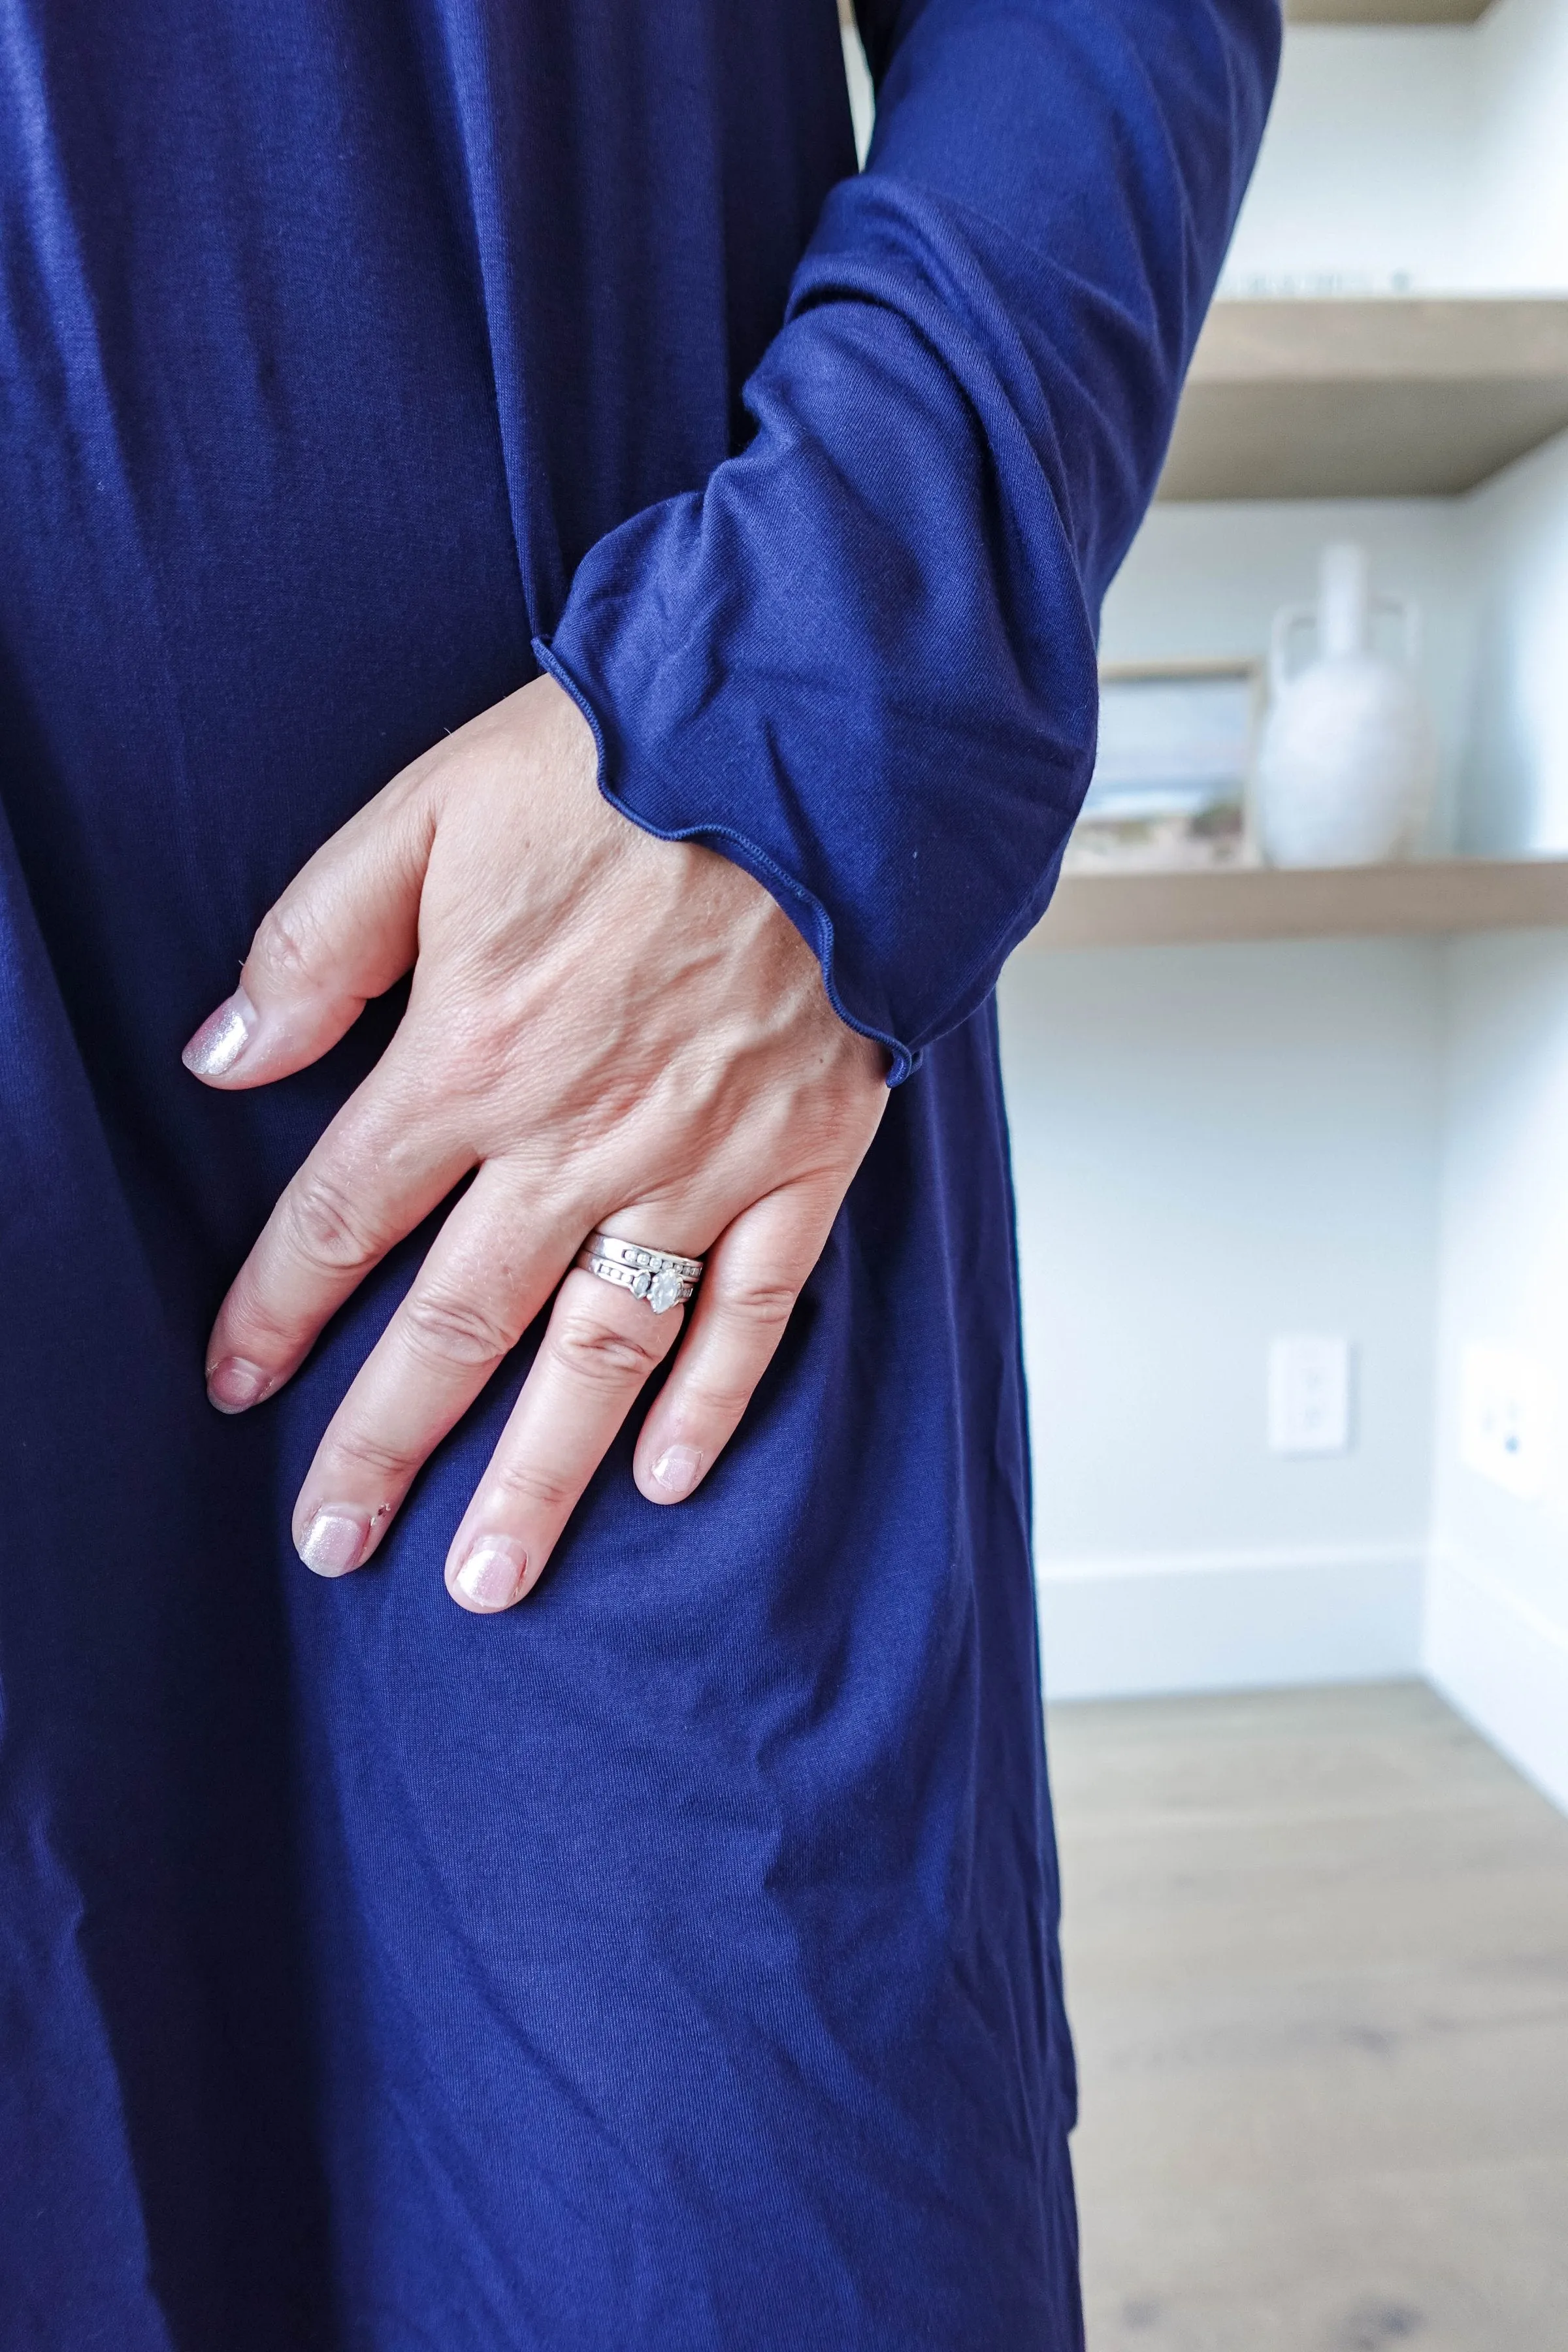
(860, 661)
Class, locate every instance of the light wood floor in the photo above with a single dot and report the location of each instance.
(1316, 1961)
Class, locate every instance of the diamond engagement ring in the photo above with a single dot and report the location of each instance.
(657, 1275)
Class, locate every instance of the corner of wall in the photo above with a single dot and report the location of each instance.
(1495, 1637)
(1502, 1664)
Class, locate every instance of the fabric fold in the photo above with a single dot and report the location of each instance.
(861, 660)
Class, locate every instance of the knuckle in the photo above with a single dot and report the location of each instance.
(360, 1449)
(718, 1400)
(600, 1354)
(251, 1328)
(535, 1487)
(764, 1306)
(478, 1058)
(445, 1327)
(289, 945)
(328, 1228)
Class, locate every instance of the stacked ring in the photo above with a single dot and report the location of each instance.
(660, 1277)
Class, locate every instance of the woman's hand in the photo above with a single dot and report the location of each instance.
(613, 1031)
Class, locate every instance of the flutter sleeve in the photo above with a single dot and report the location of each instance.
(861, 660)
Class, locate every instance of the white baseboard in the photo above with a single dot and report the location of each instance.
(1136, 1623)
(1501, 1664)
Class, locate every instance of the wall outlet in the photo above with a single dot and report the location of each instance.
(1309, 1394)
(1507, 1411)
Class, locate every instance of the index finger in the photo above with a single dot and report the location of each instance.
(378, 1169)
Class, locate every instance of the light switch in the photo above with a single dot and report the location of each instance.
(1309, 1394)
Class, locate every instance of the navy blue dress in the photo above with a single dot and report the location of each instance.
(670, 1963)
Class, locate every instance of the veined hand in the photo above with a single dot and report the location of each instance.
(613, 1031)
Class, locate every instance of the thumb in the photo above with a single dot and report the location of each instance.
(344, 930)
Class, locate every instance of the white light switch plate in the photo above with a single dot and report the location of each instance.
(1309, 1394)
(1507, 1411)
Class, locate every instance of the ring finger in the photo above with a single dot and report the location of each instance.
(599, 1349)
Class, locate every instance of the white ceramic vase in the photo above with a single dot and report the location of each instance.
(1347, 763)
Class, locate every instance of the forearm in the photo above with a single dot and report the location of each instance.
(861, 661)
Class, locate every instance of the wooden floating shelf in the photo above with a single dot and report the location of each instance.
(1384, 12)
(1362, 398)
(1448, 894)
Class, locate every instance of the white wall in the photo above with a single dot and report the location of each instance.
(1363, 182)
(1215, 1144)
(1211, 1145)
(1517, 236)
(1427, 159)
(1496, 1626)
(1497, 1616)
(1515, 791)
(1235, 1140)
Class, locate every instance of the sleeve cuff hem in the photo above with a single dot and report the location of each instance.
(805, 911)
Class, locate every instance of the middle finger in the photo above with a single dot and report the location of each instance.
(487, 1274)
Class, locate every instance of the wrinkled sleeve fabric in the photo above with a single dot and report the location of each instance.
(860, 661)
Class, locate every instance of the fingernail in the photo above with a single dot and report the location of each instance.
(222, 1037)
(334, 1539)
(676, 1469)
(234, 1384)
(492, 1574)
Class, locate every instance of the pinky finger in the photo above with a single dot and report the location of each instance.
(754, 1274)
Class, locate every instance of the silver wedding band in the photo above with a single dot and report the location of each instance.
(660, 1277)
